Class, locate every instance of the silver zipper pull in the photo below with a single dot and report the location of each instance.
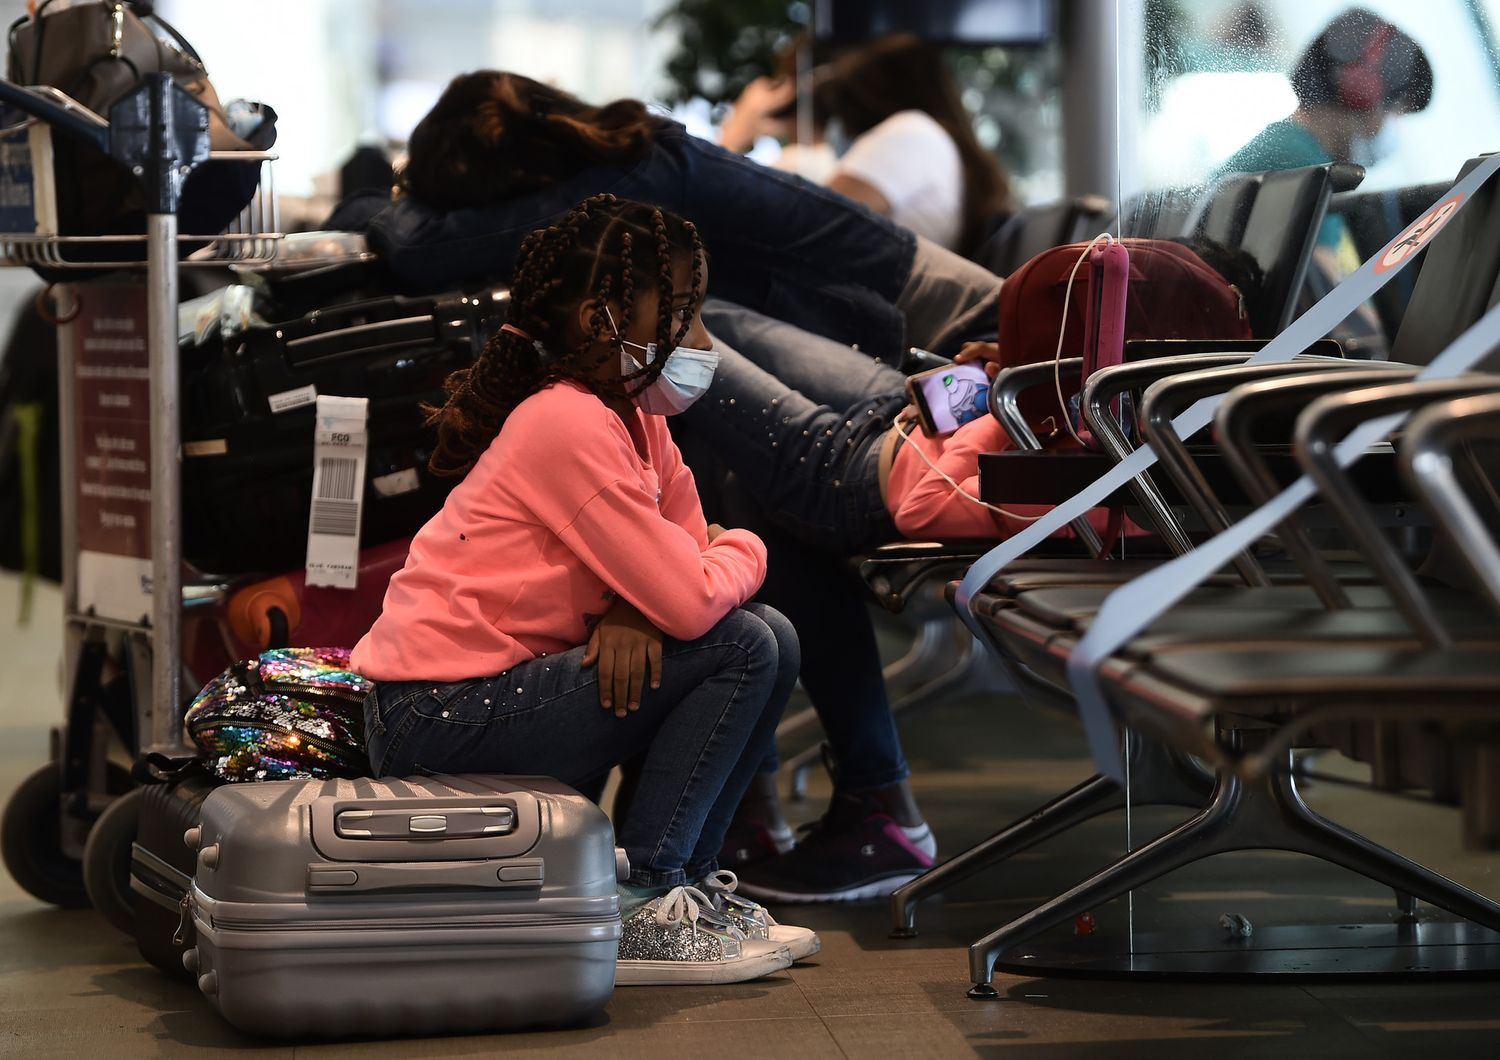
(185, 908)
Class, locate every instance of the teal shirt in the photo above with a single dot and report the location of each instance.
(1285, 145)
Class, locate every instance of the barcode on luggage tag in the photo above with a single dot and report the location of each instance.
(335, 518)
(335, 509)
(336, 481)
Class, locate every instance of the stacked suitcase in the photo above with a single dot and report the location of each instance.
(249, 389)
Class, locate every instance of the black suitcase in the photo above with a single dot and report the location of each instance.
(161, 865)
(248, 408)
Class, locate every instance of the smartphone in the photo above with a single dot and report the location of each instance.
(946, 398)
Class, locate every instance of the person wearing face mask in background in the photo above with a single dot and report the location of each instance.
(1356, 75)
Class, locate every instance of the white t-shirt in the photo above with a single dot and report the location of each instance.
(913, 162)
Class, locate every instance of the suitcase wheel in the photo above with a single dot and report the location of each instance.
(106, 861)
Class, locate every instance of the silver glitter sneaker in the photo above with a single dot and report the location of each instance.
(679, 939)
(753, 919)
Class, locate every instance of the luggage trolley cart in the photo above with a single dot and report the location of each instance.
(112, 597)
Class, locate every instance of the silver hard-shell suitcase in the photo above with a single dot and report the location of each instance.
(379, 907)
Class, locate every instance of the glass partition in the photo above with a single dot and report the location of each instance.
(1211, 91)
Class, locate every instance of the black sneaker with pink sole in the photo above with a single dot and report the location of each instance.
(854, 852)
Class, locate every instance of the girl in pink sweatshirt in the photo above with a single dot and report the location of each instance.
(569, 609)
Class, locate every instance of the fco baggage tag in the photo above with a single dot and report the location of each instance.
(338, 491)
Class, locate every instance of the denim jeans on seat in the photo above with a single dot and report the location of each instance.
(703, 733)
(798, 421)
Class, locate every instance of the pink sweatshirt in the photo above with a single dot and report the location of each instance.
(558, 516)
(926, 508)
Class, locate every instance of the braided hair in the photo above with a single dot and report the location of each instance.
(603, 250)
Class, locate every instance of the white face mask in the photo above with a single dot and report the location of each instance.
(683, 380)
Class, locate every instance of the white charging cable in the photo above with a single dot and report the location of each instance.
(1062, 330)
(956, 487)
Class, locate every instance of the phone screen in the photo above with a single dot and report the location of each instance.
(954, 395)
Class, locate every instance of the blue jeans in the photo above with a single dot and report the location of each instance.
(798, 421)
(701, 735)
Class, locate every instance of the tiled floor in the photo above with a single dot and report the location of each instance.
(70, 987)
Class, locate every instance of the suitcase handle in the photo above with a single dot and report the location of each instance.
(449, 829)
(436, 822)
(362, 339)
(513, 874)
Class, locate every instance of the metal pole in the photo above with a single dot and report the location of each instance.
(1090, 98)
(162, 730)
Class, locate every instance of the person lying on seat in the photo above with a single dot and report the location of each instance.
(500, 153)
(828, 463)
(569, 608)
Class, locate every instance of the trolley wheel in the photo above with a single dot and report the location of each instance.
(106, 861)
(31, 838)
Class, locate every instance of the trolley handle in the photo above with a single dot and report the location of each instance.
(58, 110)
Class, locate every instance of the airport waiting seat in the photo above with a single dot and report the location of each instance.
(1238, 677)
(1096, 579)
(1033, 229)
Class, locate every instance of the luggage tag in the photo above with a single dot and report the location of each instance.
(340, 444)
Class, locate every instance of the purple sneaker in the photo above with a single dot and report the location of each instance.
(753, 842)
(855, 851)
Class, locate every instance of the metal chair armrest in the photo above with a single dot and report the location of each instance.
(1245, 408)
(1319, 429)
(1011, 383)
(1005, 406)
(1427, 462)
(1099, 393)
(1167, 398)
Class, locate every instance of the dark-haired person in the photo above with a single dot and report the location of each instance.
(827, 464)
(906, 145)
(500, 154)
(568, 609)
(1356, 75)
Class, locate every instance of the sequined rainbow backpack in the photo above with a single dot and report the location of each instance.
(289, 714)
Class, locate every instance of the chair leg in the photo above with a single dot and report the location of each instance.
(1306, 832)
(1209, 833)
(1266, 815)
(948, 681)
(1093, 797)
(925, 656)
(1158, 776)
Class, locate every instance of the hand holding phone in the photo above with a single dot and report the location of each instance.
(946, 398)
